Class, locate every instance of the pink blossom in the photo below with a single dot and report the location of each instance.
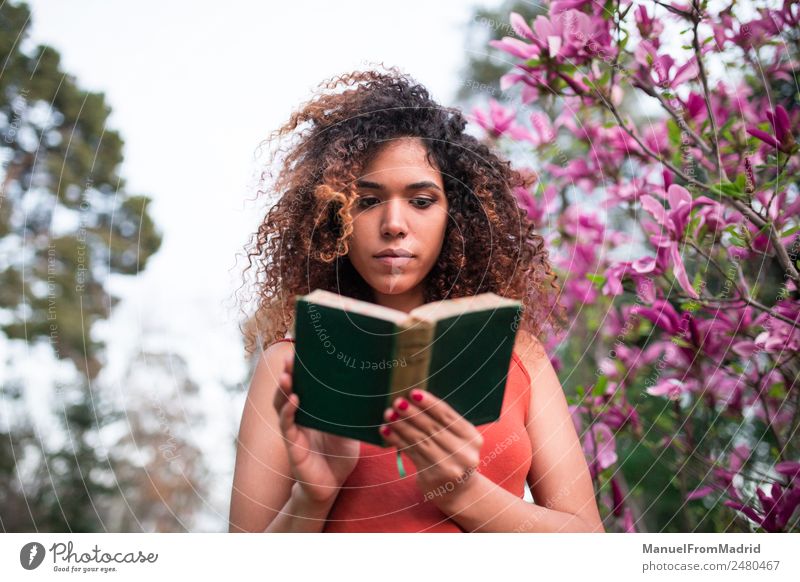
(627, 521)
(500, 120)
(532, 81)
(658, 68)
(617, 498)
(699, 493)
(782, 130)
(537, 208)
(673, 223)
(566, 36)
(649, 28)
(618, 417)
(599, 447)
(672, 388)
(777, 507)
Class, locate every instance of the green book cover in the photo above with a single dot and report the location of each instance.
(353, 358)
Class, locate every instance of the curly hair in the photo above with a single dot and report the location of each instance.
(302, 242)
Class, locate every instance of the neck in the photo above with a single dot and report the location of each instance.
(401, 301)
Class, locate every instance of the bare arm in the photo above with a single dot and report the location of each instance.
(481, 505)
(559, 476)
(265, 496)
(300, 514)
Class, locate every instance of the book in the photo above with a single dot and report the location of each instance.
(354, 358)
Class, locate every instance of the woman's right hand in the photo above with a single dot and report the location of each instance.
(320, 462)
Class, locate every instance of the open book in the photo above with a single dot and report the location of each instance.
(353, 358)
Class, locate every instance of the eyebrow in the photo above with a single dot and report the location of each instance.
(414, 186)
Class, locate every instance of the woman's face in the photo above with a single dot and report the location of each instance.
(401, 206)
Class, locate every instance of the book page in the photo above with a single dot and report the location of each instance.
(337, 301)
(437, 310)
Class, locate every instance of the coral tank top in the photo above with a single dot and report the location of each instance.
(374, 498)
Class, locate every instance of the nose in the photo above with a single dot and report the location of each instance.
(394, 219)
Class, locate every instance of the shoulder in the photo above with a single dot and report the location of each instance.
(270, 365)
(544, 382)
(531, 351)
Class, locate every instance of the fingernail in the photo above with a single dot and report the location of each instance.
(394, 416)
(416, 395)
(386, 431)
(403, 404)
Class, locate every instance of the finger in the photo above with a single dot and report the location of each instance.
(442, 413)
(419, 456)
(297, 452)
(286, 418)
(415, 424)
(413, 441)
(283, 392)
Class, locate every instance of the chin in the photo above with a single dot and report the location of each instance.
(393, 285)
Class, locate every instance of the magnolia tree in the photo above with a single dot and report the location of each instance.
(668, 190)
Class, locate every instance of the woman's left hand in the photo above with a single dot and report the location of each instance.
(444, 446)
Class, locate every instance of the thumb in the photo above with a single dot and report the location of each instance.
(296, 444)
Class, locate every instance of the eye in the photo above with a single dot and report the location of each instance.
(427, 202)
(362, 201)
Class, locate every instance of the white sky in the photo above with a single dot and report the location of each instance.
(194, 87)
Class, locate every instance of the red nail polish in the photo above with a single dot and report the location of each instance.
(416, 396)
(403, 404)
(386, 431)
(394, 416)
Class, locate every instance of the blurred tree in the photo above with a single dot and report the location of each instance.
(63, 206)
(155, 463)
(66, 224)
(485, 64)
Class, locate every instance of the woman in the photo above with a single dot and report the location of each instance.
(381, 169)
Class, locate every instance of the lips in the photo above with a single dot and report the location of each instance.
(393, 261)
(399, 253)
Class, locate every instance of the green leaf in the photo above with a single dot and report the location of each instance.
(600, 387)
(674, 132)
(776, 390)
(790, 231)
(729, 190)
(596, 278)
(623, 41)
(679, 341)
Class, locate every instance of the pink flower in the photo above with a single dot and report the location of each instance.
(673, 388)
(658, 68)
(695, 106)
(777, 507)
(699, 493)
(617, 417)
(782, 129)
(543, 131)
(636, 270)
(537, 208)
(618, 499)
(499, 120)
(600, 448)
(531, 83)
(567, 36)
(673, 224)
(648, 27)
(789, 468)
(628, 524)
